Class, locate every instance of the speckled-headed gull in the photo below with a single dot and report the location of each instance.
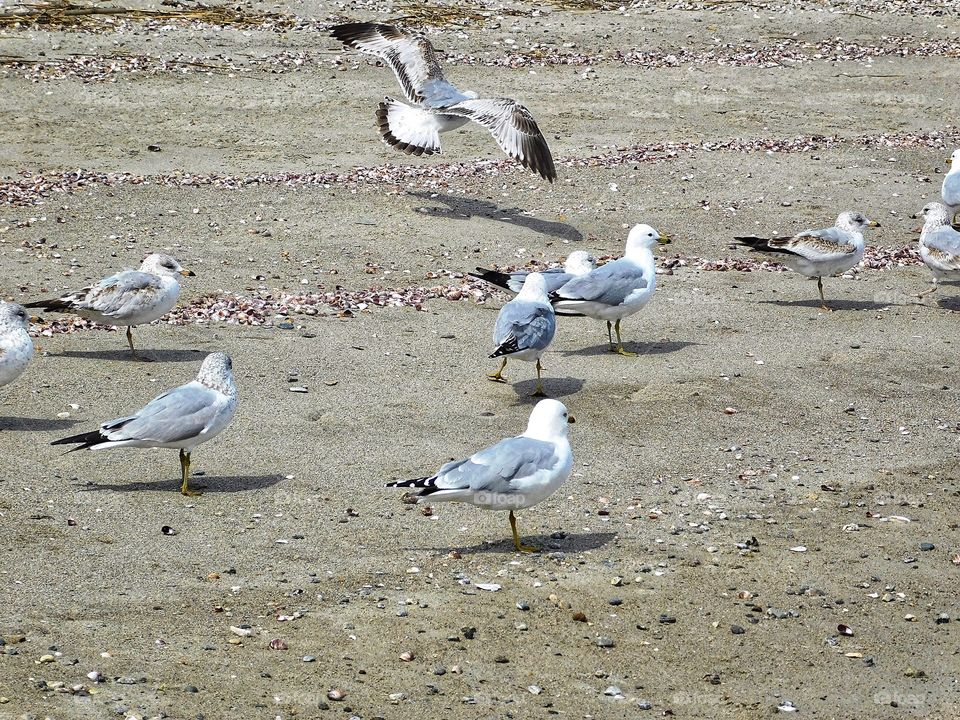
(181, 418)
(130, 297)
(818, 253)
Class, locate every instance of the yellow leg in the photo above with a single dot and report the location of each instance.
(927, 292)
(133, 350)
(498, 375)
(823, 302)
(539, 391)
(613, 348)
(620, 349)
(185, 470)
(516, 537)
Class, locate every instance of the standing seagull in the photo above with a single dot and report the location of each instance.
(579, 262)
(951, 185)
(436, 105)
(818, 253)
(939, 245)
(525, 327)
(617, 289)
(16, 347)
(131, 297)
(516, 473)
(180, 418)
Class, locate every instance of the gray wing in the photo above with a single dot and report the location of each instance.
(494, 468)
(514, 129)
(182, 413)
(554, 278)
(609, 284)
(411, 57)
(524, 325)
(943, 244)
(121, 293)
(817, 245)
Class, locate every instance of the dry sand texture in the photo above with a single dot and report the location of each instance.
(242, 143)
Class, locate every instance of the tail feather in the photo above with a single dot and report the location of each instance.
(507, 347)
(494, 277)
(427, 485)
(407, 128)
(58, 304)
(82, 441)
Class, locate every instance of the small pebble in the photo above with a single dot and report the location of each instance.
(604, 642)
(737, 630)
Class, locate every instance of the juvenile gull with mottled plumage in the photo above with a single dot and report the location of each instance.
(818, 253)
(437, 105)
(130, 297)
(939, 245)
(16, 347)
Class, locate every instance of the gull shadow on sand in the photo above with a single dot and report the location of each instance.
(142, 355)
(814, 304)
(948, 303)
(213, 484)
(570, 543)
(555, 388)
(462, 208)
(651, 348)
(19, 424)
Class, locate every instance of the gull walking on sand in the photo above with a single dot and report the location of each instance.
(617, 289)
(818, 253)
(525, 327)
(16, 347)
(579, 262)
(516, 473)
(181, 418)
(939, 245)
(437, 106)
(130, 297)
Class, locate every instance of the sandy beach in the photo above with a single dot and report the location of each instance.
(760, 475)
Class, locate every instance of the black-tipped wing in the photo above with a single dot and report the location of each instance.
(411, 57)
(514, 129)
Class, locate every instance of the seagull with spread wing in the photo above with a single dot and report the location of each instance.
(436, 106)
(130, 297)
(818, 253)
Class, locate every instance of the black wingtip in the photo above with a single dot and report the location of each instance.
(507, 347)
(421, 482)
(83, 440)
(494, 277)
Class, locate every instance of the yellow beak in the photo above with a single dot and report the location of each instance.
(873, 223)
(664, 239)
(188, 273)
(571, 419)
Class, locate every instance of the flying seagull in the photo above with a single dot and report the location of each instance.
(436, 106)
(181, 418)
(516, 473)
(818, 253)
(16, 347)
(579, 262)
(525, 327)
(617, 289)
(130, 297)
